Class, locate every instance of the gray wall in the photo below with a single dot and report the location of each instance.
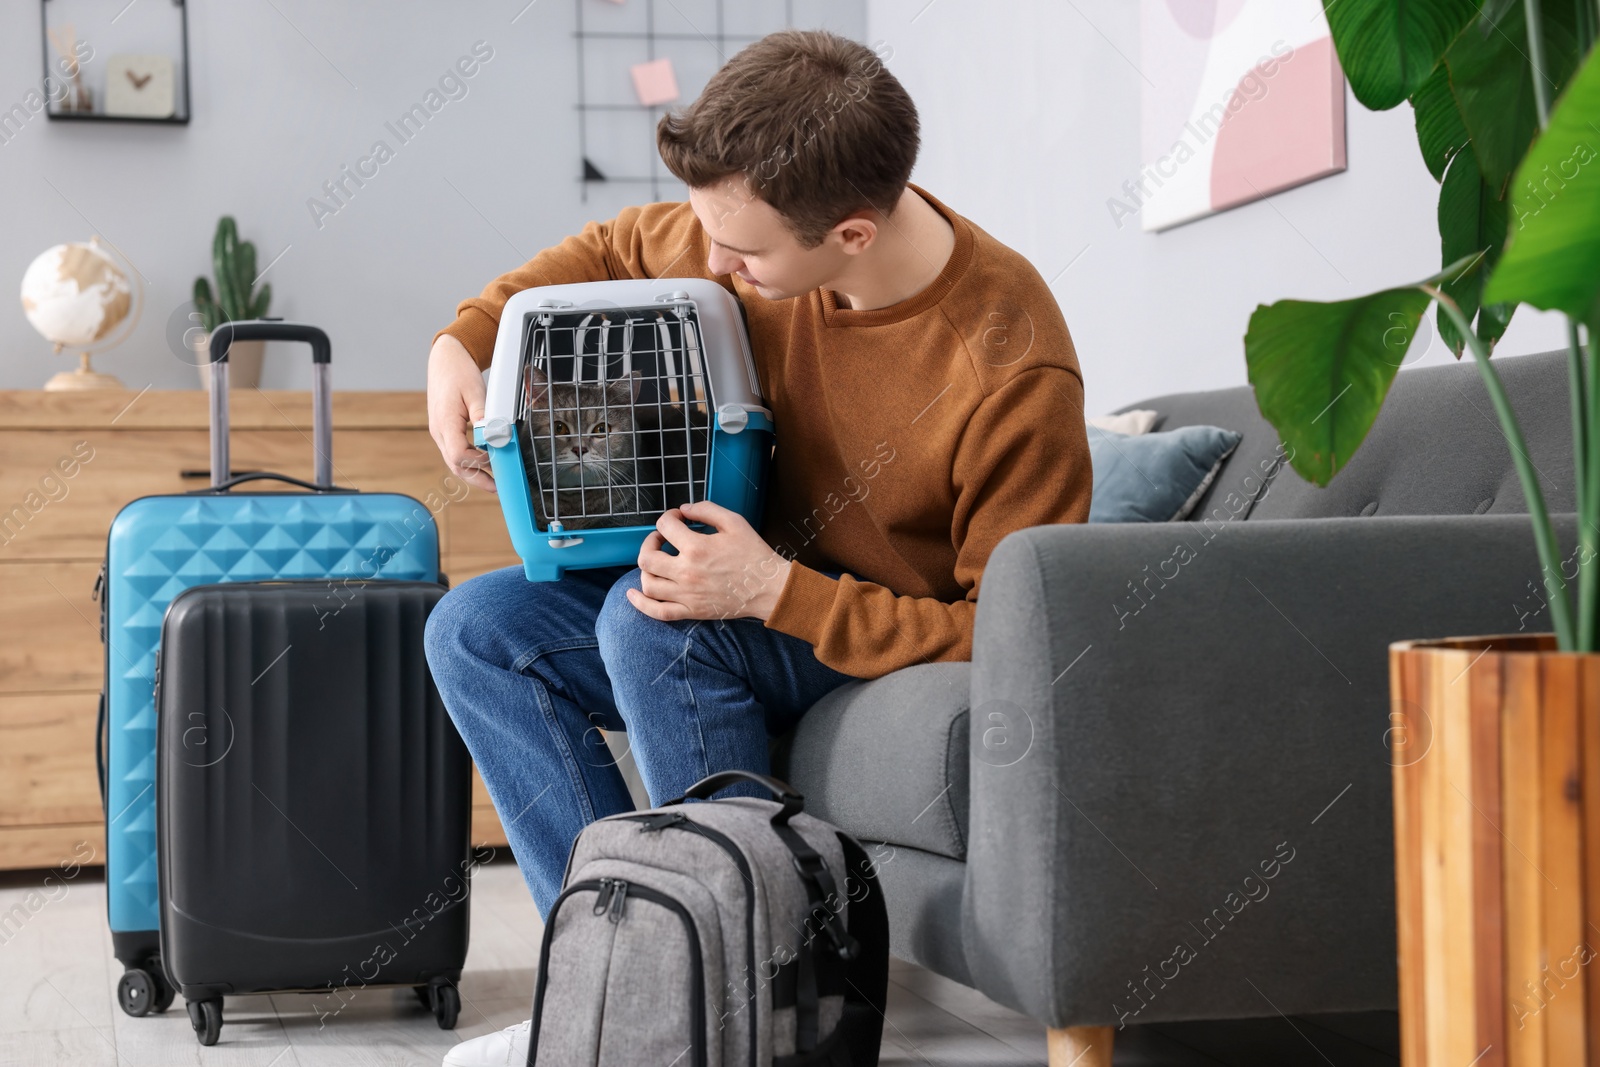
(1047, 129)
(286, 92)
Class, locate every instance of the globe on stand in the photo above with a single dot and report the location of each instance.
(76, 295)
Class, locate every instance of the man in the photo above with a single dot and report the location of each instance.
(927, 401)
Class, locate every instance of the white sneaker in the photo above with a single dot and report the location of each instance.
(508, 1048)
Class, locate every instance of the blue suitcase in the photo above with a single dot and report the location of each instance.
(157, 547)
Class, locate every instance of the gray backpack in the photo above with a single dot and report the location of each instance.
(739, 932)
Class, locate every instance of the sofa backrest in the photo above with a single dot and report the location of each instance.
(1435, 449)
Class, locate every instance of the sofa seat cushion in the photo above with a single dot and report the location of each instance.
(886, 759)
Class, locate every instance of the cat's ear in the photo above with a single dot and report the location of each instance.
(625, 390)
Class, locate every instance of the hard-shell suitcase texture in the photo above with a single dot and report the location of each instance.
(741, 932)
(313, 797)
(158, 546)
(610, 402)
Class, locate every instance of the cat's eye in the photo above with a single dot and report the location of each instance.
(600, 430)
(559, 429)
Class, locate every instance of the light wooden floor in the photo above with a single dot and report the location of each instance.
(58, 1006)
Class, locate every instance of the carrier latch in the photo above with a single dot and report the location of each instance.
(495, 431)
(562, 542)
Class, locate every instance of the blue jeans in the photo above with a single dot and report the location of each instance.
(531, 672)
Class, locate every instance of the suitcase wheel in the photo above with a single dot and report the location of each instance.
(137, 992)
(206, 1018)
(443, 1000)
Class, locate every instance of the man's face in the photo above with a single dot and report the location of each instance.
(749, 239)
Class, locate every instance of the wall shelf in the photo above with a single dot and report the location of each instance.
(103, 35)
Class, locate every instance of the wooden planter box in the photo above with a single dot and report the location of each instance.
(1495, 744)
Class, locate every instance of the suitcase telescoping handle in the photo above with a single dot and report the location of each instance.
(222, 339)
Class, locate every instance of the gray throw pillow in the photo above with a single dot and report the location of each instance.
(1154, 477)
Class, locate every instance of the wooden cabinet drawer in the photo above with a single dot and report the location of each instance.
(486, 828)
(50, 630)
(46, 514)
(478, 527)
(23, 847)
(47, 770)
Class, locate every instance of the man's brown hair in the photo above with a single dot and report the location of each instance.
(814, 122)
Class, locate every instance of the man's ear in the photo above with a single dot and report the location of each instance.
(856, 231)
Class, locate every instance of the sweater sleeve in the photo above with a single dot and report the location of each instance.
(1023, 460)
(642, 241)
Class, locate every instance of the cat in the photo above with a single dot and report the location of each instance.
(581, 437)
(620, 463)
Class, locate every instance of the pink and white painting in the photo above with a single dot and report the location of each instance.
(1241, 99)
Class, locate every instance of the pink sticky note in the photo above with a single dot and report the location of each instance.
(655, 82)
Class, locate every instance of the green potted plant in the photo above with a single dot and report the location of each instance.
(236, 299)
(1506, 95)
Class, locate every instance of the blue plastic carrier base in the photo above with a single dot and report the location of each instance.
(683, 346)
(160, 545)
(735, 480)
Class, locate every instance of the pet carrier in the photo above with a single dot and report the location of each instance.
(610, 402)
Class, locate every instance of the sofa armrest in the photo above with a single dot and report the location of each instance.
(1165, 715)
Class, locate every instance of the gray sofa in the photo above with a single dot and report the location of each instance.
(1146, 730)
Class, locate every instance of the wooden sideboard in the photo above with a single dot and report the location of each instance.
(119, 445)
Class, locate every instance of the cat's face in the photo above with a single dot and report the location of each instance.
(585, 429)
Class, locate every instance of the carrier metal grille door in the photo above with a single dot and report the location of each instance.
(614, 415)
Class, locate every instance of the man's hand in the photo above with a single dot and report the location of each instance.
(455, 401)
(729, 574)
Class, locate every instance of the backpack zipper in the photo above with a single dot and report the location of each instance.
(613, 892)
(656, 821)
(616, 891)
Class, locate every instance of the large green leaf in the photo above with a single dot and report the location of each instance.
(1471, 219)
(1492, 79)
(1439, 130)
(1389, 47)
(1493, 320)
(1552, 259)
(1495, 10)
(1321, 371)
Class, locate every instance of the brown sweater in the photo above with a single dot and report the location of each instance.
(910, 438)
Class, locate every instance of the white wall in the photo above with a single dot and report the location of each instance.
(287, 92)
(1030, 115)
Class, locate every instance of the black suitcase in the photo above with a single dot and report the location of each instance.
(314, 798)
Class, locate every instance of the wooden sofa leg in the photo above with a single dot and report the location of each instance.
(1080, 1046)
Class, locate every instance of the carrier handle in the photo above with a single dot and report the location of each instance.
(222, 339)
(782, 791)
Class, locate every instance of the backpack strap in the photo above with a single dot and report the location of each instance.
(823, 896)
(820, 886)
(866, 978)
